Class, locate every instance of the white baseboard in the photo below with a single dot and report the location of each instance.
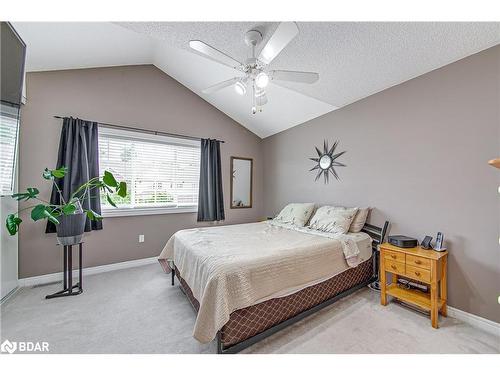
(9, 295)
(58, 276)
(475, 321)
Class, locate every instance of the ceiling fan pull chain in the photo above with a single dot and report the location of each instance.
(254, 100)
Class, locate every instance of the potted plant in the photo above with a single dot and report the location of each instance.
(69, 216)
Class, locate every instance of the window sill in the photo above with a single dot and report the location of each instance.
(147, 211)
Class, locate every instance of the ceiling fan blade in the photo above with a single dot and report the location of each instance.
(293, 76)
(283, 35)
(220, 85)
(214, 54)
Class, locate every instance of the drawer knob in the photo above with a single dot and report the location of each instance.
(393, 256)
(394, 267)
(418, 262)
(417, 273)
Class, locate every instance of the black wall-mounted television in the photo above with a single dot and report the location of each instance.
(12, 58)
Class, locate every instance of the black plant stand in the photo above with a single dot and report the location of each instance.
(68, 286)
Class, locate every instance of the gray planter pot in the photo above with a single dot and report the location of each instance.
(71, 228)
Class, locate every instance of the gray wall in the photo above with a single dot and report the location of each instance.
(141, 96)
(418, 153)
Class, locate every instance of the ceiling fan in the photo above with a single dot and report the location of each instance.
(255, 69)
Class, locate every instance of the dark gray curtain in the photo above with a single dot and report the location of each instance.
(210, 197)
(78, 151)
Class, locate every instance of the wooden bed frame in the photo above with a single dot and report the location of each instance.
(376, 233)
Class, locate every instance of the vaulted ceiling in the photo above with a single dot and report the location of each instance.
(353, 59)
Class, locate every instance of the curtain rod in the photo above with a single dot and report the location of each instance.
(104, 124)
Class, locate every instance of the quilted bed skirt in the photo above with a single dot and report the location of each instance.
(250, 321)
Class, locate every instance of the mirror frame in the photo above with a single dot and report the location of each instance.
(231, 181)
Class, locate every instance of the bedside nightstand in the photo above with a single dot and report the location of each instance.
(427, 266)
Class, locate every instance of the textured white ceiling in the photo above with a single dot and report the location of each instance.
(354, 59)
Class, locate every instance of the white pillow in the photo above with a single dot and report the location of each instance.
(333, 219)
(359, 220)
(295, 214)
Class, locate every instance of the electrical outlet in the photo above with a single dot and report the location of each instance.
(141, 237)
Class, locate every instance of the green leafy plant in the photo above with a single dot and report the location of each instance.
(46, 210)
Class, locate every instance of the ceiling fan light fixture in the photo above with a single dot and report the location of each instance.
(261, 100)
(261, 80)
(240, 88)
(259, 92)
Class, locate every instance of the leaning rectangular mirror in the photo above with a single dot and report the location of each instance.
(241, 182)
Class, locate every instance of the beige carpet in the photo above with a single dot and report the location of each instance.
(137, 311)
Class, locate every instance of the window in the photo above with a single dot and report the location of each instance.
(8, 142)
(162, 173)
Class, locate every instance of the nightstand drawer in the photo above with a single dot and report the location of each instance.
(395, 267)
(418, 273)
(394, 256)
(420, 262)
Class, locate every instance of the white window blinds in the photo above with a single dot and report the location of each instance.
(8, 142)
(160, 172)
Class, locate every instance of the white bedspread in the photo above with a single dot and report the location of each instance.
(236, 266)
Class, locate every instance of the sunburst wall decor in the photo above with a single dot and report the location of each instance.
(327, 161)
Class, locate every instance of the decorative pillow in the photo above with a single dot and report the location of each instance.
(359, 220)
(296, 214)
(333, 219)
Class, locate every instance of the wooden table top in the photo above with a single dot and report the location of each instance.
(417, 251)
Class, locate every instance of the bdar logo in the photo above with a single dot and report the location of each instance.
(8, 347)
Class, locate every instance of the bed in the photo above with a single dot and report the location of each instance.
(248, 281)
